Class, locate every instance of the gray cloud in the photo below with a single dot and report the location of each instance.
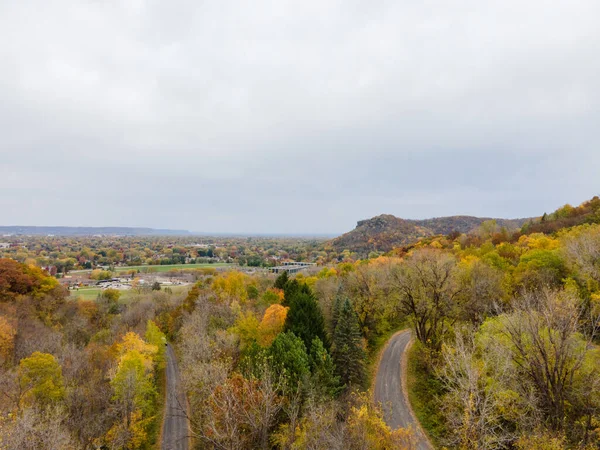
(294, 116)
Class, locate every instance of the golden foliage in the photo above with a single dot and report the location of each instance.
(272, 324)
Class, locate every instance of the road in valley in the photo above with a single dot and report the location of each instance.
(390, 393)
(175, 434)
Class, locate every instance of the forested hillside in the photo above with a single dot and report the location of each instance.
(506, 354)
(385, 232)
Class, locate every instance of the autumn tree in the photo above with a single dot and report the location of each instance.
(134, 391)
(369, 289)
(242, 412)
(272, 324)
(427, 288)
(7, 341)
(543, 332)
(41, 380)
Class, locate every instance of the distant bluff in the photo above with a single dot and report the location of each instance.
(386, 232)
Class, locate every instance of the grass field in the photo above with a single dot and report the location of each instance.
(165, 268)
(91, 293)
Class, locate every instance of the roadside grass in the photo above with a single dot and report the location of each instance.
(423, 390)
(156, 429)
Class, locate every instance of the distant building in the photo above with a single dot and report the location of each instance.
(291, 267)
(4, 245)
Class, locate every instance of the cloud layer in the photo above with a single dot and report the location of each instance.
(295, 116)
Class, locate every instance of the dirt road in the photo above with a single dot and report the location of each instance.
(175, 435)
(389, 391)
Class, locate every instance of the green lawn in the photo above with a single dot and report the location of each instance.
(86, 293)
(91, 293)
(168, 267)
(159, 268)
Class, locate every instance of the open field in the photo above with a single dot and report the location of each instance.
(168, 267)
(162, 268)
(91, 293)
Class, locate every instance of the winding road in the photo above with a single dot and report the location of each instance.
(389, 390)
(175, 435)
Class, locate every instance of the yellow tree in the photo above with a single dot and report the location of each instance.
(7, 340)
(40, 379)
(272, 324)
(231, 286)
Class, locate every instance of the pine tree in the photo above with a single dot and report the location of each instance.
(281, 280)
(325, 382)
(305, 319)
(289, 358)
(347, 350)
(337, 306)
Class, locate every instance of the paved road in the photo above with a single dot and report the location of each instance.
(175, 426)
(389, 392)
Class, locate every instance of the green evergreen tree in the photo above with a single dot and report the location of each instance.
(337, 306)
(281, 280)
(325, 382)
(289, 358)
(305, 319)
(347, 350)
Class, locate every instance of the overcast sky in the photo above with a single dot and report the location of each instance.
(295, 116)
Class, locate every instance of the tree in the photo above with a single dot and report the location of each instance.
(582, 248)
(7, 341)
(231, 286)
(157, 338)
(289, 359)
(369, 290)
(481, 290)
(156, 286)
(242, 412)
(543, 332)
(36, 428)
(133, 386)
(281, 280)
(40, 379)
(325, 382)
(305, 319)
(480, 411)
(368, 430)
(247, 328)
(272, 324)
(189, 304)
(112, 295)
(426, 285)
(348, 348)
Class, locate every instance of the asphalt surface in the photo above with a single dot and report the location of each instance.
(389, 392)
(175, 434)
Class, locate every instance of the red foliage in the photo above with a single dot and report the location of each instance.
(15, 279)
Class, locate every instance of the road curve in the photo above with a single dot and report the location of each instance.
(389, 392)
(175, 434)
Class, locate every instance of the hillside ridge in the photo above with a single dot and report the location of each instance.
(384, 232)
